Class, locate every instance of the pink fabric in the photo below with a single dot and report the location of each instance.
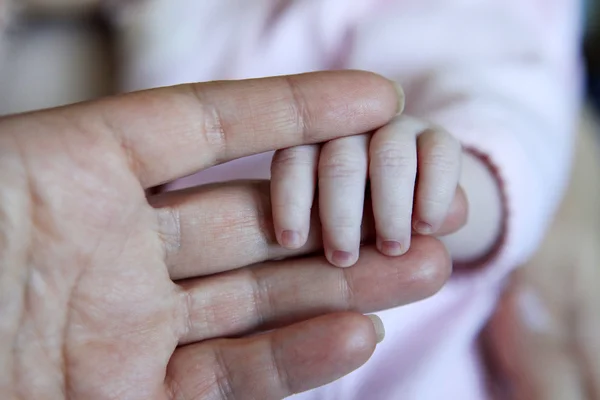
(502, 75)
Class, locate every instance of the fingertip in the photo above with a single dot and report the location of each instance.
(423, 228)
(342, 258)
(292, 239)
(392, 248)
(435, 264)
(401, 98)
(378, 327)
(328, 347)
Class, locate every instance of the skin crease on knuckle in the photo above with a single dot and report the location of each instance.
(391, 155)
(341, 165)
(442, 160)
(285, 159)
(442, 151)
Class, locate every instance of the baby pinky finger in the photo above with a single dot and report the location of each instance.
(438, 170)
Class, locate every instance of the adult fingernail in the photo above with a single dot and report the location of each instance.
(342, 258)
(290, 239)
(378, 325)
(532, 311)
(401, 98)
(423, 228)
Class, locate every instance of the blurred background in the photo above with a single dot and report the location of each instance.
(57, 52)
(63, 51)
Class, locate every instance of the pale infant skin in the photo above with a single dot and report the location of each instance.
(413, 169)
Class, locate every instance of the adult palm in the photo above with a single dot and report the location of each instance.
(108, 294)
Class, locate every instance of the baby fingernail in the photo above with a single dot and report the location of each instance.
(290, 239)
(342, 258)
(423, 228)
(379, 328)
(401, 98)
(391, 248)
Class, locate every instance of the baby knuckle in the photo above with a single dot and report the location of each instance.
(341, 166)
(291, 157)
(393, 156)
(344, 223)
(441, 159)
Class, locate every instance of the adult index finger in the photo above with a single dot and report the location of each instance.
(171, 132)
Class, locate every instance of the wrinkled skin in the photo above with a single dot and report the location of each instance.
(108, 294)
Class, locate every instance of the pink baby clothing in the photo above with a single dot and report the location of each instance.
(501, 75)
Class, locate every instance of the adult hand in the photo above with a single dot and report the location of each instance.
(543, 343)
(105, 293)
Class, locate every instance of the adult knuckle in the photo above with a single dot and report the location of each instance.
(211, 128)
(280, 367)
(299, 110)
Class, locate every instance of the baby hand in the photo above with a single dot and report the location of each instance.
(413, 170)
